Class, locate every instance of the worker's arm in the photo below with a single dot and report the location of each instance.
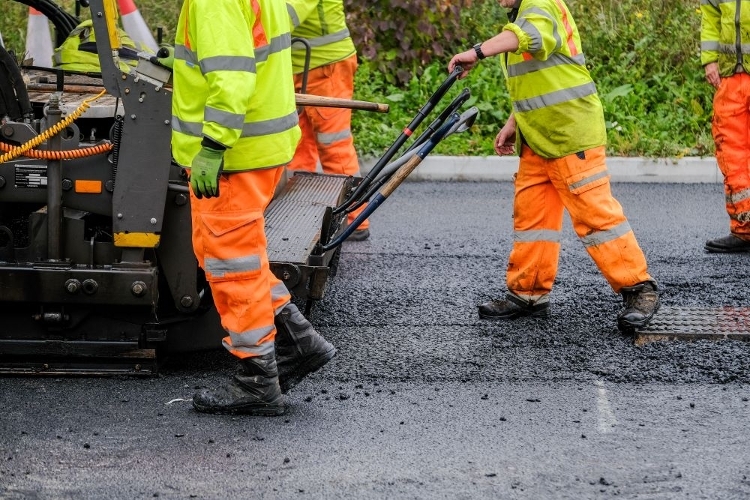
(537, 34)
(505, 142)
(532, 32)
(299, 10)
(223, 42)
(710, 26)
(506, 41)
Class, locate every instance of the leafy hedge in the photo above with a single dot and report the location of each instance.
(400, 37)
(644, 56)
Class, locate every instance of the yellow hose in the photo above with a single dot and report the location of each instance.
(50, 132)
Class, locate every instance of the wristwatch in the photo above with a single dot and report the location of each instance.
(478, 50)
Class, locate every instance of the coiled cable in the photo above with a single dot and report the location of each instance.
(70, 154)
(52, 131)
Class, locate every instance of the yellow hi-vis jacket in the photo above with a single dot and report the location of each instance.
(323, 24)
(725, 34)
(79, 52)
(233, 83)
(555, 103)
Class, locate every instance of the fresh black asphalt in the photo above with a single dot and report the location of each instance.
(424, 399)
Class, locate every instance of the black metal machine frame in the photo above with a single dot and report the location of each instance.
(98, 281)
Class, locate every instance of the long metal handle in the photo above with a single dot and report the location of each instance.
(401, 139)
(390, 169)
(455, 104)
(401, 174)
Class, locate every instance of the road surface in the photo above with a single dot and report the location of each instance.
(424, 399)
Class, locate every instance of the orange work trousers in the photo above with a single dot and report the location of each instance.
(731, 131)
(229, 241)
(579, 183)
(326, 132)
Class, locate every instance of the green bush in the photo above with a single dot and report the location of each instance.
(399, 37)
(374, 133)
(643, 55)
(645, 58)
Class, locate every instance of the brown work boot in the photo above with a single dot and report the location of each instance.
(300, 350)
(728, 244)
(254, 390)
(513, 307)
(641, 303)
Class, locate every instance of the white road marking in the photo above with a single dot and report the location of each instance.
(607, 419)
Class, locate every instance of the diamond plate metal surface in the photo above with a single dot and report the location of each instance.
(294, 220)
(697, 323)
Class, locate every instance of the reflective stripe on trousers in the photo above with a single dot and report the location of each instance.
(730, 127)
(326, 132)
(229, 242)
(543, 189)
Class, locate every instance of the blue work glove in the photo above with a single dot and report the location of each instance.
(165, 56)
(205, 171)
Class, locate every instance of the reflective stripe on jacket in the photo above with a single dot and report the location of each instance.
(323, 24)
(725, 34)
(233, 83)
(555, 102)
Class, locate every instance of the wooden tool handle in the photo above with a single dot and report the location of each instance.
(333, 102)
(300, 99)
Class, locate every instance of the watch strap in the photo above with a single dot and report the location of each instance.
(478, 50)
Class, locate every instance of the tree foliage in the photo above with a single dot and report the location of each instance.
(400, 37)
(643, 56)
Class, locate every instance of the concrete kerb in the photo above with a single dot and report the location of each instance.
(481, 169)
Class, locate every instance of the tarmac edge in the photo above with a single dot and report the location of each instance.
(696, 170)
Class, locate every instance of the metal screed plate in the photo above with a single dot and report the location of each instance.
(697, 323)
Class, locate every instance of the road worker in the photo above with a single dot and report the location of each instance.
(78, 52)
(326, 132)
(235, 128)
(557, 125)
(725, 55)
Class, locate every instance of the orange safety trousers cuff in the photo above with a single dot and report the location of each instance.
(731, 131)
(229, 242)
(544, 188)
(326, 132)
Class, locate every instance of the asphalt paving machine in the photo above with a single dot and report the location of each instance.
(97, 274)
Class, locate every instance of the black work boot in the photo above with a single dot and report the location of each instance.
(254, 390)
(513, 307)
(300, 350)
(641, 303)
(728, 244)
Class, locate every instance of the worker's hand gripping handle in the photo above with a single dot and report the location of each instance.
(164, 57)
